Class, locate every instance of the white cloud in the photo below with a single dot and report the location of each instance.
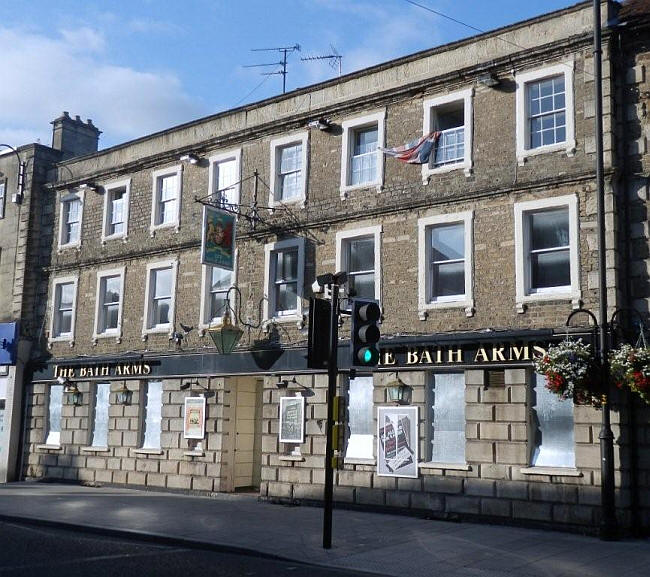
(44, 75)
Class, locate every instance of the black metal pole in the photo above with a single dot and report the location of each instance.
(608, 512)
(332, 373)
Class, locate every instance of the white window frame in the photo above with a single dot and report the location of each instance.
(167, 327)
(224, 157)
(157, 175)
(77, 195)
(108, 189)
(523, 129)
(430, 105)
(342, 239)
(523, 289)
(301, 138)
(206, 277)
(269, 277)
(116, 333)
(64, 337)
(349, 127)
(465, 301)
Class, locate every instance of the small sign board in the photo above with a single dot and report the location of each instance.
(218, 238)
(194, 418)
(8, 343)
(397, 441)
(292, 420)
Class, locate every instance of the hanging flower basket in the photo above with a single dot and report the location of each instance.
(630, 368)
(571, 371)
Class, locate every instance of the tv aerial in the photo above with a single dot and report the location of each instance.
(284, 50)
(335, 59)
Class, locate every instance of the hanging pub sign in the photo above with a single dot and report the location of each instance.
(397, 441)
(218, 238)
(194, 418)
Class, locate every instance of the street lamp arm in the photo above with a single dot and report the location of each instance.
(584, 311)
(21, 172)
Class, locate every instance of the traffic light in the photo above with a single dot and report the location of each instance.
(364, 316)
(318, 340)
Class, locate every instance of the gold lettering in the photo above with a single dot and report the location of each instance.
(519, 353)
(118, 370)
(538, 351)
(105, 371)
(146, 368)
(126, 370)
(458, 353)
(439, 356)
(388, 359)
(481, 355)
(137, 369)
(497, 354)
(412, 357)
(71, 372)
(425, 357)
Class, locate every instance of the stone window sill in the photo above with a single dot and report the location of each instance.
(95, 449)
(147, 451)
(49, 448)
(445, 466)
(359, 461)
(297, 458)
(551, 471)
(194, 453)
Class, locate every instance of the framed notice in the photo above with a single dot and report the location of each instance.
(218, 238)
(194, 418)
(397, 441)
(292, 420)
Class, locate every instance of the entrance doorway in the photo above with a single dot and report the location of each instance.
(247, 465)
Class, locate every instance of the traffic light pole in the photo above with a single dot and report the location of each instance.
(332, 373)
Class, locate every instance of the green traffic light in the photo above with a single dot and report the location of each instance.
(368, 356)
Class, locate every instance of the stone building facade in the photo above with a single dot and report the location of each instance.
(477, 258)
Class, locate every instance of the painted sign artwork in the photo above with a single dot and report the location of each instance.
(292, 420)
(194, 418)
(218, 240)
(397, 441)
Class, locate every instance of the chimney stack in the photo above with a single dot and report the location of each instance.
(74, 137)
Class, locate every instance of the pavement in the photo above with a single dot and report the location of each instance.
(376, 543)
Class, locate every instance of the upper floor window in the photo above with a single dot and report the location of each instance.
(546, 246)
(358, 253)
(225, 176)
(166, 207)
(284, 271)
(451, 116)
(545, 110)
(116, 209)
(63, 310)
(160, 297)
(108, 313)
(3, 194)
(289, 166)
(216, 283)
(445, 247)
(70, 221)
(362, 164)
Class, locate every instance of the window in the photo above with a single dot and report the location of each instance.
(116, 210)
(3, 194)
(166, 208)
(451, 116)
(360, 443)
(225, 176)
(99, 437)
(53, 432)
(216, 282)
(289, 167)
(70, 220)
(358, 253)
(108, 314)
(445, 247)
(152, 415)
(546, 247)
(446, 418)
(63, 312)
(552, 427)
(362, 164)
(159, 304)
(545, 110)
(284, 270)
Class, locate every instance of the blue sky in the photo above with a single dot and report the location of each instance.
(139, 66)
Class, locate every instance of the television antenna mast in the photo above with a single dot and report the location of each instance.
(335, 59)
(283, 63)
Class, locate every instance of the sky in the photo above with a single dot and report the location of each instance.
(139, 66)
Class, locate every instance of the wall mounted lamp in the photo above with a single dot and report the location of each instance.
(190, 157)
(399, 392)
(488, 79)
(321, 123)
(124, 395)
(75, 396)
(284, 384)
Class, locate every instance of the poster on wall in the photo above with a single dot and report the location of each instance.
(397, 441)
(194, 418)
(218, 238)
(292, 420)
